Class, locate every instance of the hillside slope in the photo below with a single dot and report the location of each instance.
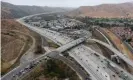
(105, 10)
(10, 11)
(17, 39)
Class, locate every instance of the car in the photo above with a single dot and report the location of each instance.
(113, 75)
(13, 75)
(37, 62)
(40, 60)
(19, 73)
(23, 72)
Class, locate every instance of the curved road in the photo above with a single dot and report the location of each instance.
(127, 60)
(63, 48)
(104, 37)
(82, 56)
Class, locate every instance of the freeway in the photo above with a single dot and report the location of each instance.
(52, 33)
(105, 37)
(75, 66)
(75, 42)
(98, 67)
(93, 62)
(17, 71)
(120, 45)
(41, 14)
(127, 60)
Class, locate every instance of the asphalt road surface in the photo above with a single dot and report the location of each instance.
(94, 64)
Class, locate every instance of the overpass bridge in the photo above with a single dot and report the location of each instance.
(80, 55)
(127, 60)
(21, 68)
(70, 45)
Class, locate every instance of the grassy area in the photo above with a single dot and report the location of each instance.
(52, 70)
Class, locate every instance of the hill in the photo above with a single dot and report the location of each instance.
(105, 10)
(10, 11)
(17, 39)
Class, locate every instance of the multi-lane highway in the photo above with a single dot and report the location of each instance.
(95, 64)
(90, 64)
(73, 64)
(127, 60)
(23, 68)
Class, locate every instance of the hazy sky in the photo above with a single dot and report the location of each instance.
(64, 3)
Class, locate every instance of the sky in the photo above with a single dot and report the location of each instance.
(64, 3)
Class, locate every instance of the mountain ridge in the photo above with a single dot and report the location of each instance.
(10, 11)
(105, 10)
(122, 10)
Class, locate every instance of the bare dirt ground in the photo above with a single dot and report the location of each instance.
(104, 51)
(107, 53)
(15, 41)
(119, 44)
(121, 47)
(12, 47)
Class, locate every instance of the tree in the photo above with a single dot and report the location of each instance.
(39, 49)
